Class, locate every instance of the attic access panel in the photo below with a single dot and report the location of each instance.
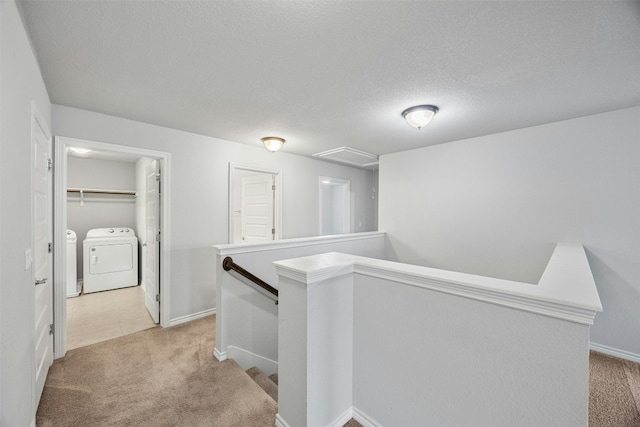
(349, 156)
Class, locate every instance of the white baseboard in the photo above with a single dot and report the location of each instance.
(342, 419)
(352, 412)
(280, 422)
(220, 355)
(338, 422)
(190, 317)
(364, 419)
(621, 354)
(247, 359)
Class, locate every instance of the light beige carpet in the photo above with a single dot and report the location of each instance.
(614, 392)
(168, 377)
(157, 377)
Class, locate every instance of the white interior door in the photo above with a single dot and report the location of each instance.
(42, 256)
(152, 243)
(257, 214)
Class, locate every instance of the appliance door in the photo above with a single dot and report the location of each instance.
(110, 258)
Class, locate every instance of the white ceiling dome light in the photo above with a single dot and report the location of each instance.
(420, 115)
(272, 143)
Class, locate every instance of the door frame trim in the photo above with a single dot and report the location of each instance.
(60, 230)
(233, 167)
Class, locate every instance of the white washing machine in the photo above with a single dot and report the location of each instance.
(110, 259)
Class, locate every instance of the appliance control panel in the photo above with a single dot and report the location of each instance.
(111, 232)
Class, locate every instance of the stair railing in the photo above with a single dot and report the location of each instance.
(228, 264)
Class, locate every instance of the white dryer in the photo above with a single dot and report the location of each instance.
(110, 259)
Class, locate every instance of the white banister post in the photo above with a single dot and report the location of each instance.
(220, 349)
(315, 340)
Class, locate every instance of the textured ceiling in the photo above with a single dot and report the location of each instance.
(326, 74)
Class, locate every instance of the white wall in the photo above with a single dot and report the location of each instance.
(99, 211)
(20, 83)
(456, 361)
(199, 193)
(496, 206)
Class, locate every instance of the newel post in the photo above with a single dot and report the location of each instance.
(315, 340)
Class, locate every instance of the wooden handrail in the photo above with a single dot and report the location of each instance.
(228, 264)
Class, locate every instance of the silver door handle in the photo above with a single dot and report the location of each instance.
(41, 281)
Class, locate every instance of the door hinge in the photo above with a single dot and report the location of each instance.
(157, 177)
(273, 187)
(50, 247)
(158, 237)
(51, 329)
(157, 297)
(273, 231)
(49, 164)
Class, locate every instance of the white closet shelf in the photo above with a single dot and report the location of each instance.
(84, 191)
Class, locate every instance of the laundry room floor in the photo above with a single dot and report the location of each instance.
(101, 316)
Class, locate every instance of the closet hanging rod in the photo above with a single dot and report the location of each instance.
(98, 191)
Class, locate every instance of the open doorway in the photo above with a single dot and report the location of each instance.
(114, 226)
(335, 206)
(254, 204)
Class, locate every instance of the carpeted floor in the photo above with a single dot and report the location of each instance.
(157, 377)
(168, 377)
(614, 392)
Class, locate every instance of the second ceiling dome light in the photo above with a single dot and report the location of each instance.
(420, 115)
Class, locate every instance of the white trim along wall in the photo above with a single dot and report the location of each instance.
(627, 355)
